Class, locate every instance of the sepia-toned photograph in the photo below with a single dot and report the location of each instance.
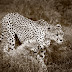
(35, 35)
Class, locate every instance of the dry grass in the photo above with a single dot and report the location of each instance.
(58, 58)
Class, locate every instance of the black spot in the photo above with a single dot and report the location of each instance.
(12, 40)
(44, 53)
(40, 38)
(30, 23)
(35, 52)
(14, 32)
(14, 14)
(60, 40)
(11, 49)
(9, 30)
(56, 34)
(12, 44)
(9, 14)
(33, 35)
(17, 22)
(27, 37)
(40, 46)
(41, 51)
(8, 24)
(2, 38)
(49, 28)
(41, 56)
(30, 33)
(35, 31)
(2, 35)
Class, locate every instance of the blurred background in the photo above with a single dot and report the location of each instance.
(53, 11)
(49, 10)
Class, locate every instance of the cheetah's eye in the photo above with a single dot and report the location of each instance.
(58, 25)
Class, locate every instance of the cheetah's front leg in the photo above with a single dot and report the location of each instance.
(11, 41)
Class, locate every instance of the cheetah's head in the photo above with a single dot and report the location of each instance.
(55, 33)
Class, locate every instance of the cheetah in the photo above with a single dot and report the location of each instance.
(27, 29)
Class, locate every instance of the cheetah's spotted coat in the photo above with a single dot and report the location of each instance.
(26, 29)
